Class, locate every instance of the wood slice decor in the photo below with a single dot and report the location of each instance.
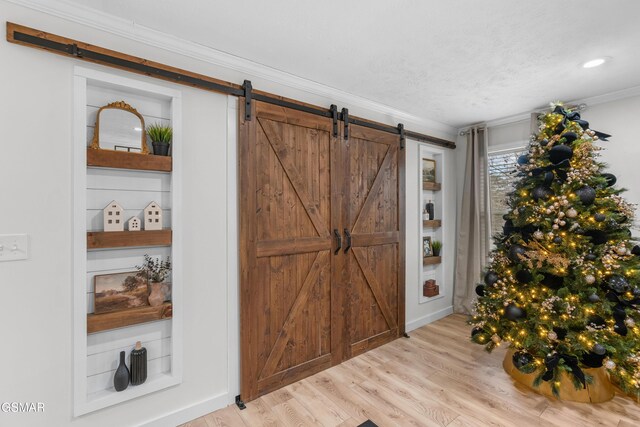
(127, 160)
(600, 391)
(127, 239)
(119, 319)
(433, 186)
(432, 223)
(431, 260)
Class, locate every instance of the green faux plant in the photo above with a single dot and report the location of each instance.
(154, 269)
(436, 246)
(160, 133)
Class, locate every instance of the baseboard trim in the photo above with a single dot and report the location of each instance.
(425, 320)
(188, 413)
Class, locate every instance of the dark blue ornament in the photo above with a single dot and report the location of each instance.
(594, 298)
(611, 179)
(480, 290)
(560, 153)
(490, 278)
(513, 312)
(569, 137)
(515, 251)
(541, 193)
(599, 217)
(523, 159)
(586, 194)
(524, 276)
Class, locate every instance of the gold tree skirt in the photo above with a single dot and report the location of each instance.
(601, 390)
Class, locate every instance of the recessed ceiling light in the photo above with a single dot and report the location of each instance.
(594, 62)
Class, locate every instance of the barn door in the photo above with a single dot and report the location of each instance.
(375, 221)
(286, 239)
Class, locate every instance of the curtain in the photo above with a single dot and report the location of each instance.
(474, 230)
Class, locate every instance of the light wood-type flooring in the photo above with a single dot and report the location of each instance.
(435, 378)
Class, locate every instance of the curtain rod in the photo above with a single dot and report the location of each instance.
(526, 116)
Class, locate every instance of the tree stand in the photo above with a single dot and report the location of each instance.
(600, 391)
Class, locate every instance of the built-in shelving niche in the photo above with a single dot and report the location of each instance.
(433, 267)
(134, 180)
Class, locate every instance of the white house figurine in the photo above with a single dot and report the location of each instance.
(153, 217)
(113, 217)
(134, 223)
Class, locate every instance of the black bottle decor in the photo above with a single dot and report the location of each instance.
(138, 364)
(121, 378)
(430, 210)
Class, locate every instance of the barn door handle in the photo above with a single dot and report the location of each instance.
(348, 236)
(338, 240)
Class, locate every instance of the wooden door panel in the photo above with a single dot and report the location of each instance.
(286, 262)
(374, 222)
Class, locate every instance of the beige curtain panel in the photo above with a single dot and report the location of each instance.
(474, 232)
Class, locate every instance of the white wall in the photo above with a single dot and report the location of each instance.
(420, 313)
(35, 176)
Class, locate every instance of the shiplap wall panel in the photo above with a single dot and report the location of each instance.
(107, 361)
(106, 261)
(128, 179)
(132, 200)
(96, 355)
(152, 110)
(117, 338)
(104, 381)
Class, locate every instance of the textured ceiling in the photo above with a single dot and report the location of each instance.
(455, 61)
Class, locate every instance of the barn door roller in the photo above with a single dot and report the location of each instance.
(247, 99)
(345, 119)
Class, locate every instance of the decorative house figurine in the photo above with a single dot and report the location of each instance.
(113, 217)
(134, 224)
(153, 217)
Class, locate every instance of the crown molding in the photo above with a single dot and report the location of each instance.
(589, 102)
(95, 19)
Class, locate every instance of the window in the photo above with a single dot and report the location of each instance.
(502, 176)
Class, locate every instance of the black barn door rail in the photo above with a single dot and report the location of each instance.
(63, 46)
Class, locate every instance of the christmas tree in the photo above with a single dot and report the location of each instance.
(563, 284)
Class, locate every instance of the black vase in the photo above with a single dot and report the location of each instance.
(121, 378)
(160, 149)
(430, 210)
(138, 364)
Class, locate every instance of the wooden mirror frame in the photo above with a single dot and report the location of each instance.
(120, 105)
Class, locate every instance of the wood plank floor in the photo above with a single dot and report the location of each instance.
(435, 378)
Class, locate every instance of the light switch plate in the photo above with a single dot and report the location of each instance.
(14, 247)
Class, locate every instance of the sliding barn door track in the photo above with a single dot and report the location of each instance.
(68, 47)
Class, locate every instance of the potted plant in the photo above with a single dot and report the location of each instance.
(161, 136)
(436, 246)
(156, 271)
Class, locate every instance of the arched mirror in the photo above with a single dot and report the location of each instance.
(120, 127)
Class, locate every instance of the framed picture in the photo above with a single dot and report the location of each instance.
(426, 247)
(119, 291)
(428, 170)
